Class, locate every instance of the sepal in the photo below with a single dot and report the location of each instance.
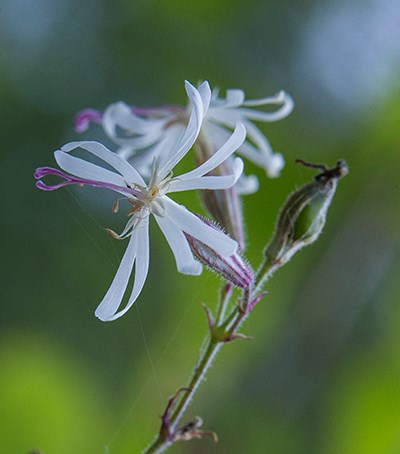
(221, 333)
(233, 268)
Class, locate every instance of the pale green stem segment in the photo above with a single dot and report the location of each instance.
(226, 293)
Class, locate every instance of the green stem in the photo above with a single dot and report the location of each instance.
(198, 375)
(161, 443)
(264, 273)
(158, 446)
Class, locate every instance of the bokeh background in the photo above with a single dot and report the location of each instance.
(322, 374)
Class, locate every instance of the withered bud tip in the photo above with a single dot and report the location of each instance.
(339, 171)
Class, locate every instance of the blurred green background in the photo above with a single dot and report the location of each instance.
(322, 374)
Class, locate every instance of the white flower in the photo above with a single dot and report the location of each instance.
(155, 130)
(150, 198)
(223, 115)
(142, 134)
(133, 133)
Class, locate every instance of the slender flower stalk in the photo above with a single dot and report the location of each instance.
(225, 296)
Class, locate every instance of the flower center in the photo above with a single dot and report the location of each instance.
(141, 206)
(153, 192)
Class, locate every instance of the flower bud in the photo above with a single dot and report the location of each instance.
(233, 269)
(303, 216)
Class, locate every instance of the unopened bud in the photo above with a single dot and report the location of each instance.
(233, 269)
(224, 205)
(304, 213)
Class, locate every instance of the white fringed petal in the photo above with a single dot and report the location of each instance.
(130, 175)
(191, 224)
(260, 153)
(177, 241)
(211, 182)
(113, 298)
(140, 132)
(281, 98)
(234, 98)
(205, 93)
(163, 150)
(247, 184)
(275, 165)
(83, 169)
(229, 147)
(199, 103)
(137, 252)
(258, 138)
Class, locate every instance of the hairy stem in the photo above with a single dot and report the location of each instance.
(198, 375)
(264, 273)
(161, 443)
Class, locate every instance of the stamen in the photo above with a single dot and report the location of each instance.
(137, 205)
(166, 183)
(113, 234)
(115, 207)
(154, 190)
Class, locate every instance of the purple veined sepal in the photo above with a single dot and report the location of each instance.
(233, 268)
